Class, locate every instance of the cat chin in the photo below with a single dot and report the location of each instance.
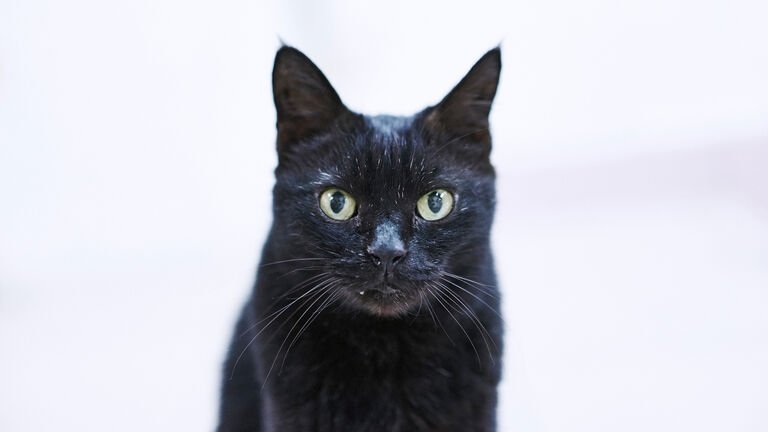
(385, 303)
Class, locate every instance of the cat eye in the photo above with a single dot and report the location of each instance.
(337, 204)
(435, 205)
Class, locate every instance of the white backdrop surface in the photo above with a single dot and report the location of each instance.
(631, 141)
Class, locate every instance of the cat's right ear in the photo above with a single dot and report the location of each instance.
(306, 102)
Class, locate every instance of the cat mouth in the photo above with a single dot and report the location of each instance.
(386, 300)
(385, 292)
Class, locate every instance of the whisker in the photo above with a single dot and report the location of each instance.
(319, 291)
(307, 268)
(445, 306)
(483, 288)
(475, 320)
(435, 319)
(418, 311)
(324, 305)
(290, 260)
(426, 304)
(239, 357)
(282, 296)
(288, 334)
(473, 295)
(303, 284)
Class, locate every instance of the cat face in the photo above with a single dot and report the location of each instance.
(382, 206)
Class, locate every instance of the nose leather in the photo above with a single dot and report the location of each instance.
(387, 247)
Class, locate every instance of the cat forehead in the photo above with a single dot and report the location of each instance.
(388, 125)
(387, 154)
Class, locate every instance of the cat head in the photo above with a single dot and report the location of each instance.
(382, 206)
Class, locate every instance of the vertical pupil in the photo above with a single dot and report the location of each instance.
(435, 201)
(337, 201)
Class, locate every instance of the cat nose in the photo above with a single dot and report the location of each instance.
(387, 256)
(387, 247)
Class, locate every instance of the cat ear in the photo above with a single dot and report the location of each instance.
(306, 102)
(464, 112)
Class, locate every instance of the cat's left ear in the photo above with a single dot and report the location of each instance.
(306, 102)
(463, 113)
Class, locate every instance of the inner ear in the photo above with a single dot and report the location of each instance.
(305, 101)
(463, 113)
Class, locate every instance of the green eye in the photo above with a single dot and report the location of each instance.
(435, 205)
(337, 204)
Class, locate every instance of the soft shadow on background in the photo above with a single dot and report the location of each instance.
(631, 141)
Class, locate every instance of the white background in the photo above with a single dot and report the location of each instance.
(631, 141)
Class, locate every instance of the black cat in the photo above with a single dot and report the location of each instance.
(375, 305)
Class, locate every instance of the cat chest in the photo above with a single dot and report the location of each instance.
(368, 389)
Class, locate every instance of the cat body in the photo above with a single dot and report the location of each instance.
(375, 306)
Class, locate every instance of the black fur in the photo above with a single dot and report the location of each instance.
(334, 340)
